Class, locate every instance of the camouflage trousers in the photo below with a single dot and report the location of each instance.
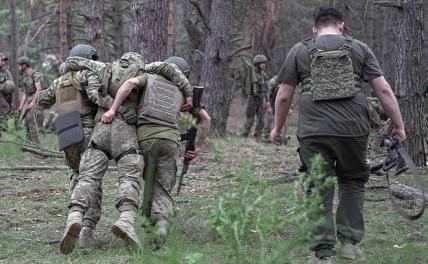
(72, 156)
(48, 119)
(164, 180)
(270, 122)
(4, 113)
(110, 141)
(255, 108)
(33, 120)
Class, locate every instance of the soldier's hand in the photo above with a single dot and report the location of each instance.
(108, 116)
(398, 132)
(191, 154)
(19, 110)
(274, 135)
(187, 105)
(31, 105)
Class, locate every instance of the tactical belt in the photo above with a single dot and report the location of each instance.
(127, 152)
(307, 83)
(103, 150)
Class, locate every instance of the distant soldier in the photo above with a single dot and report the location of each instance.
(334, 122)
(7, 87)
(116, 138)
(74, 125)
(273, 86)
(257, 101)
(28, 103)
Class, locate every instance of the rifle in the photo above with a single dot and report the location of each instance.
(190, 135)
(396, 155)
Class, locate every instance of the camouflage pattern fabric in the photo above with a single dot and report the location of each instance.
(4, 104)
(256, 106)
(375, 114)
(166, 171)
(115, 138)
(381, 135)
(32, 120)
(39, 77)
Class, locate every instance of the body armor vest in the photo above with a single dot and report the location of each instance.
(160, 103)
(70, 96)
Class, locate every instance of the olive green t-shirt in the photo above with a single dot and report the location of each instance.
(151, 131)
(344, 118)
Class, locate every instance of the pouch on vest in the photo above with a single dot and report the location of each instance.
(332, 74)
(69, 129)
(162, 101)
(69, 96)
(121, 71)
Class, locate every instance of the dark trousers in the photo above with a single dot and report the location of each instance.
(345, 158)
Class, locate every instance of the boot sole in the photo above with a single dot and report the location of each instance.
(118, 232)
(68, 242)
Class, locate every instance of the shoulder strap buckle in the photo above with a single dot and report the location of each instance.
(348, 43)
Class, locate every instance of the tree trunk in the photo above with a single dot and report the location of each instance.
(148, 28)
(350, 17)
(369, 19)
(171, 35)
(117, 26)
(389, 45)
(217, 96)
(269, 33)
(94, 26)
(63, 29)
(13, 54)
(408, 76)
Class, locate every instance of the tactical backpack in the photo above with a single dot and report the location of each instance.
(122, 70)
(161, 102)
(332, 74)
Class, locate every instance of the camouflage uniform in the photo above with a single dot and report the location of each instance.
(6, 83)
(273, 86)
(34, 117)
(73, 153)
(256, 105)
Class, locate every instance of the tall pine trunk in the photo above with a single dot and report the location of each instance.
(94, 26)
(117, 26)
(217, 96)
(408, 76)
(63, 29)
(13, 55)
(149, 28)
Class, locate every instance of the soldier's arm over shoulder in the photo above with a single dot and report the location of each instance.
(46, 97)
(78, 64)
(93, 90)
(173, 74)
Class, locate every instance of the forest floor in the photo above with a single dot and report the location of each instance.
(33, 210)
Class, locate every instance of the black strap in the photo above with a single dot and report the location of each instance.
(67, 128)
(348, 43)
(127, 152)
(103, 150)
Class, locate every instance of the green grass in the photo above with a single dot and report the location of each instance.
(33, 209)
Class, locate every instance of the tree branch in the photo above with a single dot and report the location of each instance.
(232, 54)
(236, 40)
(201, 14)
(389, 3)
(198, 52)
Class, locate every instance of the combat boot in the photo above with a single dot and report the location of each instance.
(124, 228)
(72, 230)
(86, 240)
(162, 230)
(352, 252)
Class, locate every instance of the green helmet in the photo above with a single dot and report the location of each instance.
(84, 51)
(181, 64)
(24, 60)
(259, 59)
(3, 56)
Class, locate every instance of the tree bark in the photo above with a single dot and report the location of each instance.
(149, 28)
(408, 76)
(63, 29)
(407, 192)
(217, 96)
(13, 55)
(117, 26)
(369, 20)
(94, 26)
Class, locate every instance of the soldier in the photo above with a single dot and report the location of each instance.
(257, 101)
(68, 94)
(28, 103)
(273, 86)
(7, 87)
(115, 140)
(159, 139)
(333, 121)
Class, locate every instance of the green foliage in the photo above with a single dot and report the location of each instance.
(248, 215)
(218, 149)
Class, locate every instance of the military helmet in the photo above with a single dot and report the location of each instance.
(84, 51)
(133, 58)
(259, 59)
(24, 60)
(3, 56)
(181, 64)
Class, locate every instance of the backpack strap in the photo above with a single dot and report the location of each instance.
(348, 43)
(310, 43)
